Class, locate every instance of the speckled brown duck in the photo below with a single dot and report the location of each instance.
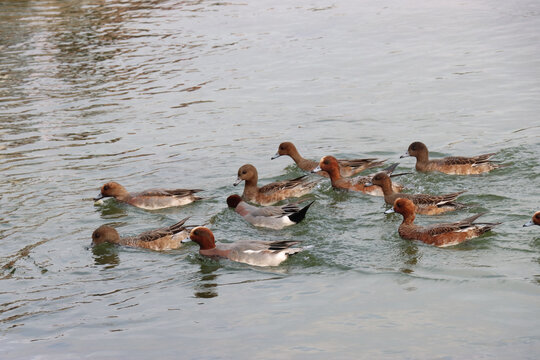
(440, 235)
(425, 204)
(347, 167)
(166, 238)
(330, 165)
(152, 199)
(453, 165)
(273, 192)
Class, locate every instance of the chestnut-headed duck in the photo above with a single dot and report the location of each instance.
(166, 238)
(273, 192)
(453, 165)
(440, 235)
(273, 217)
(330, 165)
(535, 220)
(258, 253)
(151, 199)
(424, 204)
(347, 167)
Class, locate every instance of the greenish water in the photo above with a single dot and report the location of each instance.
(181, 94)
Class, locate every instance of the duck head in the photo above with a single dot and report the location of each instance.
(204, 237)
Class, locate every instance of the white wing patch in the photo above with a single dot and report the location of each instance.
(252, 251)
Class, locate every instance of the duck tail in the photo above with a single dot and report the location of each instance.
(300, 214)
(179, 226)
(485, 227)
(389, 170)
(292, 251)
(471, 219)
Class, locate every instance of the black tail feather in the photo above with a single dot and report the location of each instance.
(300, 215)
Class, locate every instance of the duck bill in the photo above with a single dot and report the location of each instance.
(275, 156)
(530, 223)
(238, 181)
(389, 211)
(99, 197)
(317, 169)
(369, 183)
(186, 240)
(405, 155)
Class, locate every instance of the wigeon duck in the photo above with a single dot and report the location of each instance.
(273, 217)
(166, 238)
(453, 165)
(330, 165)
(151, 199)
(535, 220)
(424, 204)
(258, 253)
(440, 235)
(273, 192)
(347, 167)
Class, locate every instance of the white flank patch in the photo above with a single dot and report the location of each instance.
(251, 251)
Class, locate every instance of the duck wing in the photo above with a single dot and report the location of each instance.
(167, 192)
(363, 163)
(451, 227)
(425, 199)
(462, 160)
(285, 185)
(161, 232)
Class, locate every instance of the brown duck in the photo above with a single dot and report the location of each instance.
(347, 167)
(166, 238)
(440, 235)
(453, 165)
(424, 204)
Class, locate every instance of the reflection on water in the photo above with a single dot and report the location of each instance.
(408, 252)
(206, 287)
(106, 254)
(110, 209)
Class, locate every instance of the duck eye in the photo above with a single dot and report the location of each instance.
(243, 172)
(106, 187)
(97, 235)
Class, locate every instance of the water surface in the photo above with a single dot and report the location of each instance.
(182, 93)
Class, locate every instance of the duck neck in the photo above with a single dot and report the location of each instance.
(250, 188)
(408, 218)
(123, 195)
(422, 157)
(334, 174)
(295, 155)
(387, 187)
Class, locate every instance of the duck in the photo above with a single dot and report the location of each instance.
(166, 238)
(151, 199)
(273, 192)
(273, 217)
(330, 165)
(424, 204)
(440, 235)
(251, 252)
(534, 221)
(453, 165)
(347, 167)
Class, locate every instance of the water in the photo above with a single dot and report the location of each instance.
(182, 93)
